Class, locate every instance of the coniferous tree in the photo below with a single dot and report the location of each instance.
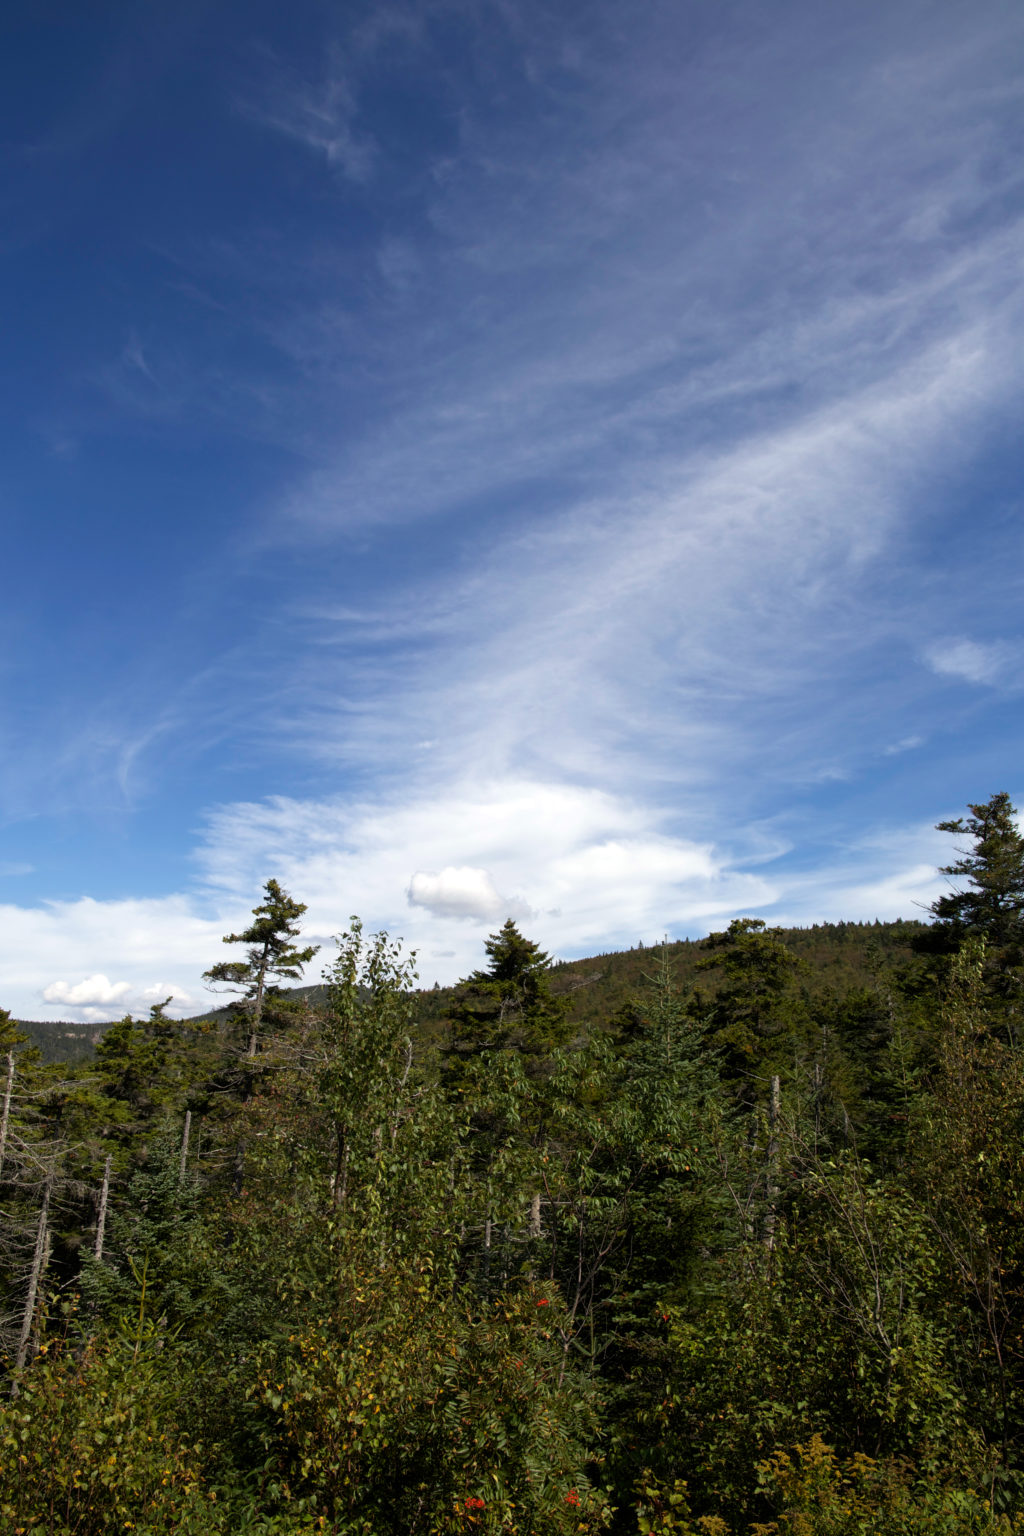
(988, 903)
(510, 1004)
(756, 1005)
(271, 956)
(991, 905)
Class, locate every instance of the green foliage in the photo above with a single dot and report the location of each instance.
(992, 904)
(741, 1253)
(816, 1493)
(406, 1412)
(509, 1004)
(156, 1229)
(271, 956)
(756, 1004)
(90, 1445)
(10, 1034)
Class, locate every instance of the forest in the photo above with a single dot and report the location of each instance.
(720, 1237)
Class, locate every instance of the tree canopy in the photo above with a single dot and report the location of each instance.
(742, 1256)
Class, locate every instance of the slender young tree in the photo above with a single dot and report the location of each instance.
(271, 956)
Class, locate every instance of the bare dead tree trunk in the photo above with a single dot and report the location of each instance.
(256, 1014)
(5, 1119)
(339, 1178)
(101, 1220)
(772, 1190)
(184, 1146)
(39, 1258)
(535, 1214)
(401, 1089)
(487, 1249)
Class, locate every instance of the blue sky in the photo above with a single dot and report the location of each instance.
(499, 457)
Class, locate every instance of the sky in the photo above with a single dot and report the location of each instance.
(496, 458)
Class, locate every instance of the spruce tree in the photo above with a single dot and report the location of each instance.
(510, 1004)
(991, 906)
(756, 1008)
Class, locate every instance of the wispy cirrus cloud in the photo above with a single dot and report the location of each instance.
(321, 115)
(616, 385)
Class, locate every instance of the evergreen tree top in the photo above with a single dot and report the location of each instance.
(270, 939)
(512, 955)
(993, 902)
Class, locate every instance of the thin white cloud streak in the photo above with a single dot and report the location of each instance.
(673, 265)
(321, 115)
(892, 872)
(736, 455)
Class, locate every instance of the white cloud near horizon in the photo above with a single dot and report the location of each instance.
(93, 989)
(595, 871)
(598, 873)
(154, 948)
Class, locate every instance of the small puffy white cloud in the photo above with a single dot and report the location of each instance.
(93, 989)
(161, 989)
(973, 661)
(460, 891)
(94, 996)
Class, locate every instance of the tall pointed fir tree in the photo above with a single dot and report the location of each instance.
(991, 905)
(987, 904)
(510, 1005)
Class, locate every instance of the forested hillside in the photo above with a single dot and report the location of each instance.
(840, 957)
(717, 1237)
